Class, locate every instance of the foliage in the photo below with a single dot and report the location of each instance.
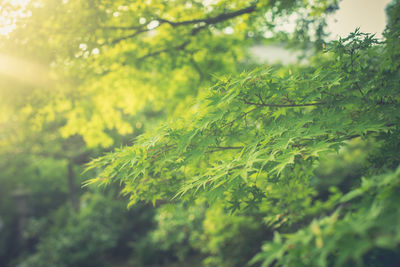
(229, 240)
(103, 228)
(117, 58)
(207, 235)
(303, 158)
(178, 229)
(254, 141)
(349, 235)
(46, 189)
(253, 131)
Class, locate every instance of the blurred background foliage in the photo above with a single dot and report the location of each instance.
(82, 78)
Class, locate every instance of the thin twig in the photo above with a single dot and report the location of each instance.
(283, 105)
(221, 148)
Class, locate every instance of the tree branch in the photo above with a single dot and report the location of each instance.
(200, 23)
(115, 41)
(221, 148)
(284, 105)
(212, 20)
(127, 28)
(155, 53)
(241, 116)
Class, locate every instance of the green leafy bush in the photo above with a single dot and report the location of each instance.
(101, 232)
(360, 231)
(207, 235)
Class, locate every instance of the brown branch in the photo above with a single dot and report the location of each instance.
(158, 153)
(155, 53)
(115, 41)
(197, 68)
(127, 28)
(283, 105)
(195, 30)
(260, 98)
(212, 20)
(241, 116)
(359, 89)
(222, 148)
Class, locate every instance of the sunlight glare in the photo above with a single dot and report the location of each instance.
(24, 71)
(8, 17)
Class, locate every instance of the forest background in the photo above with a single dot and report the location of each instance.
(146, 133)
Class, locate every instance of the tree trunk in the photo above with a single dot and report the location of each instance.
(73, 194)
